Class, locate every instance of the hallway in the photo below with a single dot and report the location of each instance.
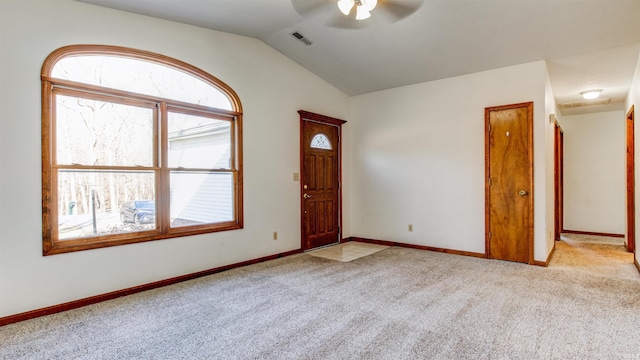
(596, 255)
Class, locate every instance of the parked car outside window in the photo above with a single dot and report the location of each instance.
(138, 212)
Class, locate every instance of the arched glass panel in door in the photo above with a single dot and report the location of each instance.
(321, 141)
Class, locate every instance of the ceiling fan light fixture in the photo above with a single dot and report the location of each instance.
(591, 94)
(345, 6)
(362, 14)
(368, 4)
(363, 7)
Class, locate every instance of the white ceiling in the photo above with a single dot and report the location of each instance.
(587, 43)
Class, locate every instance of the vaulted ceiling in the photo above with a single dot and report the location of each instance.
(587, 43)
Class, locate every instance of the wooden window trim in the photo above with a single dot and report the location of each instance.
(74, 50)
(52, 86)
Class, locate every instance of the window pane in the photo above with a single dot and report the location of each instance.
(201, 198)
(141, 77)
(92, 132)
(321, 141)
(198, 142)
(94, 203)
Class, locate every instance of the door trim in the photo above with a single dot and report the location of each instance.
(630, 162)
(487, 206)
(558, 180)
(309, 116)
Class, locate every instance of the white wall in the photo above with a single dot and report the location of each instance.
(271, 87)
(594, 172)
(550, 129)
(417, 155)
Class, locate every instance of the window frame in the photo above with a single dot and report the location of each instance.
(51, 86)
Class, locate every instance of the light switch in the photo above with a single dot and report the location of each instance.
(296, 177)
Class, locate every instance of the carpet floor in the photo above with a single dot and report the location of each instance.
(395, 304)
(592, 239)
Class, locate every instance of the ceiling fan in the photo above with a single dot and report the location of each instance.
(349, 14)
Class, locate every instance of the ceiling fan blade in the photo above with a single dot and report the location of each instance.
(306, 7)
(397, 10)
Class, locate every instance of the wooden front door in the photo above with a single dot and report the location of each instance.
(631, 183)
(509, 185)
(320, 179)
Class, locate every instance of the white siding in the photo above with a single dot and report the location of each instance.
(202, 197)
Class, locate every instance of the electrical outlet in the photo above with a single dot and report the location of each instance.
(410, 227)
(275, 235)
(296, 177)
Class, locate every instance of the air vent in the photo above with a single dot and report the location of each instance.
(301, 37)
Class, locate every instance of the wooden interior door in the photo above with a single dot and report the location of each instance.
(320, 185)
(558, 181)
(631, 207)
(509, 185)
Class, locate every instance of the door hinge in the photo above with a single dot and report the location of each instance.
(489, 130)
(489, 181)
(490, 235)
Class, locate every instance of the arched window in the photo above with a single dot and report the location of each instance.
(136, 146)
(321, 141)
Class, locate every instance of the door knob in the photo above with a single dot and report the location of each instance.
(522, 193)
(307, 196)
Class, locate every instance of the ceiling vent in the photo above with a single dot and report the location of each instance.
(301, 37)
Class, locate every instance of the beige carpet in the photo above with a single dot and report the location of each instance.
(592, 239)
(395, 304)
(595, 259)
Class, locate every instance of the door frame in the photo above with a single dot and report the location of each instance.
(487, 182)
(558, 180)
(327, 120)
(630, 164)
